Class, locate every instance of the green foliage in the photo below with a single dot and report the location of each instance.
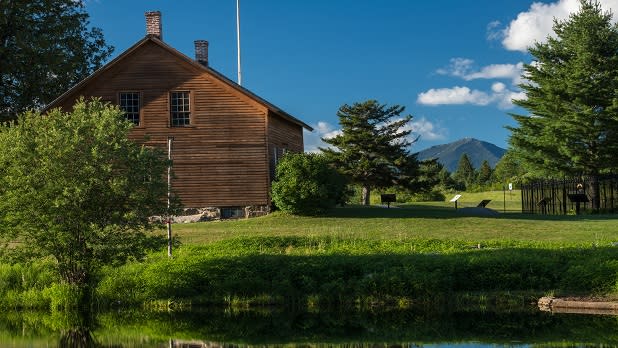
(74, 187)
(372, 149)
(47, 47)
(465, 173)
(337, 271)
(572, 97)
(427, 196)
(484, 173)
(510, 169)
(428, 176)
(307, 185)
(63, 296)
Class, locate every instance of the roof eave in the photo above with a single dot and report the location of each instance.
(182, 56)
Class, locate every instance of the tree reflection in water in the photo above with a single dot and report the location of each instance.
(271, 327)
(79, 337)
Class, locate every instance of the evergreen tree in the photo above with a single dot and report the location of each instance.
(572, 97)
(465, 173)
(484, 173)
(372, 149)
(428, 175)
(446, 180)
(45, 48)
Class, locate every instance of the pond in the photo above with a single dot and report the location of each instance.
(277, 328)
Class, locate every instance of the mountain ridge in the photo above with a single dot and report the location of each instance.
(477, 150)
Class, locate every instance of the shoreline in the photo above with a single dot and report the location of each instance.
(578, 305)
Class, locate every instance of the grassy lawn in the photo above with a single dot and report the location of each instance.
(509, 200)
(437, 220)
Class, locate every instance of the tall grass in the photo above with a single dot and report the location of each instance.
(355, 272)
(35, 285)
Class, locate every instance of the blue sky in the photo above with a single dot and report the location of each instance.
(453, 64)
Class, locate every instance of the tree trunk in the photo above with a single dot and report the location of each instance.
(594, 190)
(365, 195)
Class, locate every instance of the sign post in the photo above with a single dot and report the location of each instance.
(504, 199)
(454, 199)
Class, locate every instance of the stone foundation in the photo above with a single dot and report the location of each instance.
(215, 213)
(256, 210)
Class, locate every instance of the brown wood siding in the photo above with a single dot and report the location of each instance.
(221, 158)
(283, 136)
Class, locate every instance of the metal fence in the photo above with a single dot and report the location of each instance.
(554, 197)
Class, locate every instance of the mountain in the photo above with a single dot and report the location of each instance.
(477, 150)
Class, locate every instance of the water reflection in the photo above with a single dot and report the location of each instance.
(393, 328)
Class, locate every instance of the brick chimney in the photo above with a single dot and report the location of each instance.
(153, 24)
(201, 52)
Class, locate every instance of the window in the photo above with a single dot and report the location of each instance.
(180, 112)
(129, 103)
(232, 213)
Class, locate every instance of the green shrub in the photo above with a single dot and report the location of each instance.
(63, 296)
(307, 185)
(121, 286)
(332, 271)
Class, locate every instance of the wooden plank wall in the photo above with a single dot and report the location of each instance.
(283, 136)
(222, 158)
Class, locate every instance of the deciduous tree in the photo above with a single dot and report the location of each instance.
(372, 149)
(572, 97)
(75, 188)
(509, 169)
(307, 185)
(45, 48)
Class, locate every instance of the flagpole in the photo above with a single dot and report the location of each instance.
(169, 195)
(238, 39)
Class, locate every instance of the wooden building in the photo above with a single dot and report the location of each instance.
(226, 140)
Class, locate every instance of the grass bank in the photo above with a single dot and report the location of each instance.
(320, 272)
(355, 256)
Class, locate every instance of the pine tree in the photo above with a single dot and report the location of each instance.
(45, 48)
(465, 173)
(484, 173)
(372, 149)
(572, 97)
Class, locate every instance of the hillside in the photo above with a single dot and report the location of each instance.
(477, 150)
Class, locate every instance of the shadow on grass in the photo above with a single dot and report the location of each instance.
(349, 272)
(440, 212)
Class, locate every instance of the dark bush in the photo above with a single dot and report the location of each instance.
(307, 185)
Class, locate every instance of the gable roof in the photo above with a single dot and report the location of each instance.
(217, 75)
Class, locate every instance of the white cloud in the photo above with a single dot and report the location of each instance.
(498, 71)
(463, 68)
(427, 130)
(453, 96)
(536, 24)
(500, 95)
(458, 67)
(498, 87)
(313, 140)
(493, 30)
